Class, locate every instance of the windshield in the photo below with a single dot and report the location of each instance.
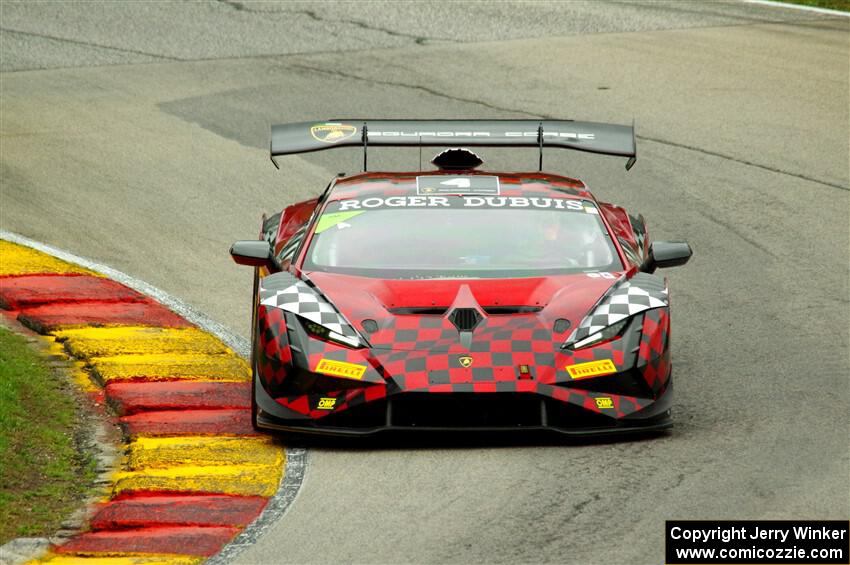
(460, 236)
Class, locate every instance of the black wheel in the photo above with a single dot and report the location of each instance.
(254, 404)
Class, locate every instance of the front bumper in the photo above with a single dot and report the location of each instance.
(431, 390)
(466, 411)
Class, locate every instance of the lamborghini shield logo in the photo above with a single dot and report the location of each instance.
(332, 133)
(465, 361)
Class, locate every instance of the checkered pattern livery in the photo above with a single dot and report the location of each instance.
(412, 354)
(497, 353)
(303, 300)
(622, 357)
(621, 407)
(627, 298)
(422, 354)
(639, 229)
(498, 348)
(273, 356)
(270, 228)
(431, 364)
(289, 248)
(654, 352)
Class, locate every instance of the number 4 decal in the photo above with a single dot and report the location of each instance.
(460, 183)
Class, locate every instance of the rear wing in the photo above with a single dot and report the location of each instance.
(304, 137)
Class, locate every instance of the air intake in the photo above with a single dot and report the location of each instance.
(456, 159)
(465, 319)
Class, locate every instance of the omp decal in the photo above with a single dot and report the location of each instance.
(604, 402)
(601, 275)
(591, 369)
(326, 403)
(341, 369)
(335, 219)
(465, 361)
(445, 184)
(463, 201)
(332, 133)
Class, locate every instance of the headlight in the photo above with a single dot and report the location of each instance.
(321, 332)
(319, 317)
(623, 301)
(605, 334)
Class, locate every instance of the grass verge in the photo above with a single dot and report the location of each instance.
(843, 5)
(43, 476)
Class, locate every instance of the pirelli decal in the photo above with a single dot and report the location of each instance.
(341, 369)
(591, 369)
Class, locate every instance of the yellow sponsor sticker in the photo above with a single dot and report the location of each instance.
(591, 369)
(326, 403)
(341, 369)
(604, 402)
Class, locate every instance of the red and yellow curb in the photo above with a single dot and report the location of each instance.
(194, 472)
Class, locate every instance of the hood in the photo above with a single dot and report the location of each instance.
(421, 314)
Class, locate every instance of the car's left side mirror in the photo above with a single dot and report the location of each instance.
(666, 254)
(254, 253)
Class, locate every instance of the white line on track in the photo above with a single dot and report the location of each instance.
(296, 457)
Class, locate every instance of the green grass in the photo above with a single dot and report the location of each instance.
(43, 477)
(830, 4)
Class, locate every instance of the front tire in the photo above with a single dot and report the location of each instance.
(255, 299)
(254, 408)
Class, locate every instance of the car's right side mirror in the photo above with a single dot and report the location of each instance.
(253, 253)
(666, 254)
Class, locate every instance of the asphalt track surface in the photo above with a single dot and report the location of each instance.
(135, 135)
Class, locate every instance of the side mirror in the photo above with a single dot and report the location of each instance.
(254, 253)
(666, 254)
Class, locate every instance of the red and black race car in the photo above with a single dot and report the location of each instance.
(458, 298)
